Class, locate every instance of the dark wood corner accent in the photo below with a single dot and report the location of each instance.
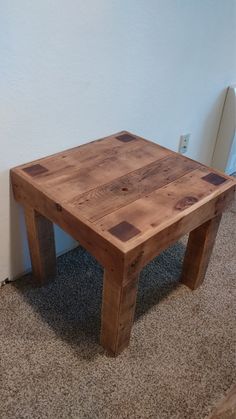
(124, 231)
(125, 138)
(214, 178)
(35, 170)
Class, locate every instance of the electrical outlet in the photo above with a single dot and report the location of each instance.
(183, 143)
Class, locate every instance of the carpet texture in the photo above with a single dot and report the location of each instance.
(181, 358)
(226, 408)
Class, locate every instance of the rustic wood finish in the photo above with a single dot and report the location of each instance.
(125, 199)
(118, 309)
(35, 170)
(198, 253)
(107, 198)
(41, 244)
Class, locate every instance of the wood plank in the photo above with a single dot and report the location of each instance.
(83, 151)
(96, 152)
(103, 171)
(73, 175)
(41, 245)
(116, 194)
(65, 163)
(154, 211)
(118, 309)
(147, 247)
(200, 245)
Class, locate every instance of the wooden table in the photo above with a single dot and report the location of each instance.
(125, 199)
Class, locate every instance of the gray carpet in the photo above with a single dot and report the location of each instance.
(181, 358)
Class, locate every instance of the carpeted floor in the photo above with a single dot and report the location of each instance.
(181, 358)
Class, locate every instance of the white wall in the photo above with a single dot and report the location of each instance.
(74, 70)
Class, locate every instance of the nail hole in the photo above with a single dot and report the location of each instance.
(58, 207)
(124, 189)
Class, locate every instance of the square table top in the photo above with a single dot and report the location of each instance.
(124, 187)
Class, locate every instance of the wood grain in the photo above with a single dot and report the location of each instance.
(41, 245)
(155, 211)
(73, 172)
(200, 245)
(126, 189)
(118, 309)
(125, 199)
(144, 251)
(88, 236)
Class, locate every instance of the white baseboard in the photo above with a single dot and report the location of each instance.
(7, 280)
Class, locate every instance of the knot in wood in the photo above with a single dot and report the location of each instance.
(185, 202)
(135, 263)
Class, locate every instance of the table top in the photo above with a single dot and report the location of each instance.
(124, 187)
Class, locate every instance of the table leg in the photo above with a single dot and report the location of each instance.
(41, 244)
(200, 245)
(118, 309)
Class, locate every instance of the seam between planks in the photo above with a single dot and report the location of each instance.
(140, 196)
(145, 236)
(117, 178)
